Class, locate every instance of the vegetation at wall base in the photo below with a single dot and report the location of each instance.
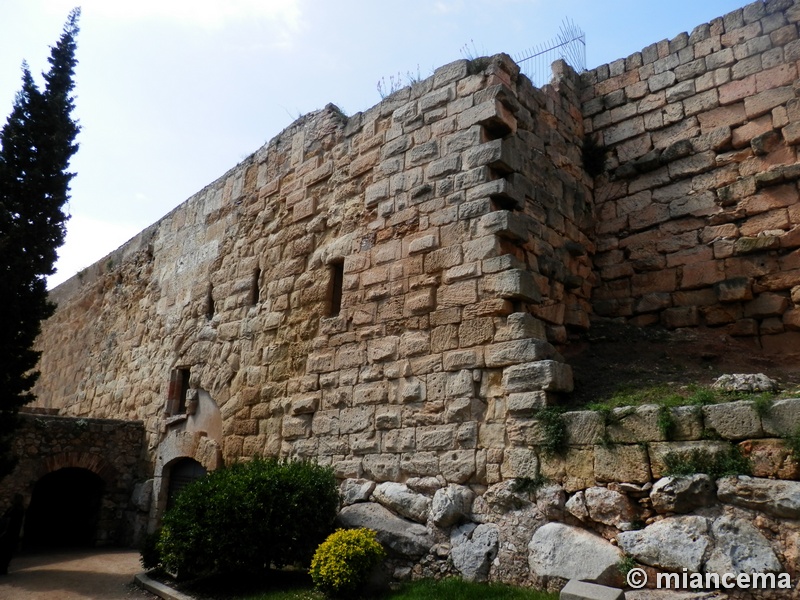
(296, 585)
(715, 464)
(343, 563)
(670, 397)
(36, 145)
(248, 517)
(454, 588)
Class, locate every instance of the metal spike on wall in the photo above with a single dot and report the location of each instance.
(569, 45)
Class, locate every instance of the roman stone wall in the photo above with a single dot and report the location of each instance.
(601, 496)
(698, 220)
(389, 293)
(458, 213)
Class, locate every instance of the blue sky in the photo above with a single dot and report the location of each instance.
(173, 93)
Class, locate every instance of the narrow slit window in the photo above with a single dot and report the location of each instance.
(337, 281)
(255, 290)
(178, 388)
(210, 304)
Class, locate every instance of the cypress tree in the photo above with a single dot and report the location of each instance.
(36, 145)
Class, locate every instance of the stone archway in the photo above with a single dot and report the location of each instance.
(179, 446)
(65, 510)
(182, 472)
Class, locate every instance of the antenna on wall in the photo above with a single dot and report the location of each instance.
(569, 45)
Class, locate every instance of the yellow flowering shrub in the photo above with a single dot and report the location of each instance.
(343, 562)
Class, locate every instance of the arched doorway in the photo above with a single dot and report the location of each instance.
(64, 510)
(181, 473)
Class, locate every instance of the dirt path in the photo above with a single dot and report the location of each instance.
(99, 574)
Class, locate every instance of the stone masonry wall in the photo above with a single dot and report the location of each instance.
(112, 450)
(602, 498)
(458, 213)
(387, 293)
(698, 220)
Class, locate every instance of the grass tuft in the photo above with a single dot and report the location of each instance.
(714, 464)
(453, 588)
(296, 585)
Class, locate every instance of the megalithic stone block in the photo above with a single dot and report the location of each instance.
(514, 284)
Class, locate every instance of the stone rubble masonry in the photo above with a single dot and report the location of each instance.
(388, 292)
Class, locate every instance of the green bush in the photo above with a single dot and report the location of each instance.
(246, 517)
(343, 562)
(150, 556)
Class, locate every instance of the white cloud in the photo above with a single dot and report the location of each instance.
(207, 13)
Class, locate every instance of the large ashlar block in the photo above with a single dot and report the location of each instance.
(376, 392)
(354, 420)
(503, 155)
(783, 417)
(294, 427)
(623, 463)
(457, 466)
(525, 404)
(733, 420)
(516, 352)
(436, 437)
(521, 326)
(382, 349)
(546, 375)
(381, 467)
(504, 223)
(584, 427)
(519, 462)
(634, 424)
(658, 450)
(420, 464)
(514, 284)
(491, 114)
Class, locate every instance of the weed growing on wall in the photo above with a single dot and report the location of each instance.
(528, 485)
(762, 403)
(666, 422)
(554, 430)
(715, 464)
(792, 442)
(625, 564)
